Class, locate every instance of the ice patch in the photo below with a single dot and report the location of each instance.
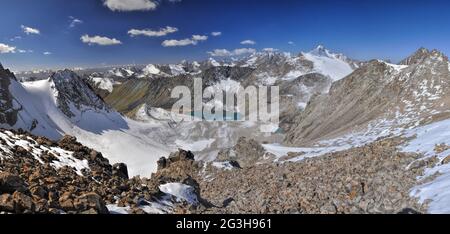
(223, 165)
(181, 191)
(194, 146)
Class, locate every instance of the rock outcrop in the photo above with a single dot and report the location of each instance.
(8, 112)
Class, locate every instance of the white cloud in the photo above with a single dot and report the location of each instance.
(248, 42)
(291, 43)
(47, 53)
(24, 51)
(153, 33)
(199, 37)
(74, 21)
(15, 38)
(103, 41)
(130, 5)
(243, 51)
(227, 53)
(185, 42)
(220, 53)
(216, 34)
(270, 49)
(29, 30)
(5, 49)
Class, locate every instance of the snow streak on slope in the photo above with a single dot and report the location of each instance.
(437, 191)
(181, 191)
(172, 193)
(63, 157)
(118, 138)
(375, 130)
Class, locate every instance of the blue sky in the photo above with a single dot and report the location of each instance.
(360, 29)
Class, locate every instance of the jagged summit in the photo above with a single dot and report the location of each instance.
(64, 75)
(72, 91)
(320, 50)
(421, 54)
(417, 57)
(6, 73)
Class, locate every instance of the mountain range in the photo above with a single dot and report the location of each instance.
(333, 109)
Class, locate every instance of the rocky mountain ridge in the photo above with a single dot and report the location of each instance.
(377, 91)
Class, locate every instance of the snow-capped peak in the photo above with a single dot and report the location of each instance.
(176, 69)
(151, 70)
(213, 62)
(336, 66)
(122, 72)
(320, 50)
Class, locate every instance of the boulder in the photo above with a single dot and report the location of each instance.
(10, 183)
(120, 170)
(90, 202)
(180, 155)
(6, 203)
(67, 141)
(23, 203)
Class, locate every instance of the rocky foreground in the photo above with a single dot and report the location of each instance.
(37, 183)
(370, 179)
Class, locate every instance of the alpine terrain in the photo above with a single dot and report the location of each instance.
(354, 137)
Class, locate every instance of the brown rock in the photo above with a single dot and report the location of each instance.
(6, 203)
(66, 201)
(10, 183)
(24, 203)
(67, 205)
(39, 191)
(446, 160)
(90, 201)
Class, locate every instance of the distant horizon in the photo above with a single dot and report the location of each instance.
(57, 34)
(217, 59)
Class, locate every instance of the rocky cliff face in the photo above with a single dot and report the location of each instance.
(8, 112)
(73, 92)
(416, 58)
